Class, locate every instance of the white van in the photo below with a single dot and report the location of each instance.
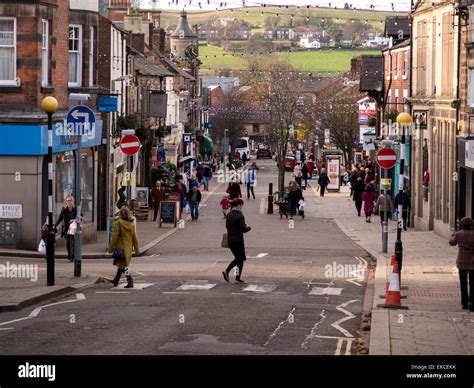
(243, 147)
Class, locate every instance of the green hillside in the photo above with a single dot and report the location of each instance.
(254, 16)
(321, 62)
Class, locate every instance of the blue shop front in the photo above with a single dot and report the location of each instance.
(24, 179)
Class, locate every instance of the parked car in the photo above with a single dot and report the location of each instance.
(264, 151)
(290, 163)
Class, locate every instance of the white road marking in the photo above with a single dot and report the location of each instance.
(259, 256)
(187, 287)
(6, 328)
(174, 292)
(326, 291)
(260, 288)
(348, 316)
(112, 292)
(136, 286)
(363, 263)
(312, 335)
(37, 310)
(290, 315)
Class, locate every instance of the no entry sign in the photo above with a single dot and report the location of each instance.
(386, 158)
(130, 144)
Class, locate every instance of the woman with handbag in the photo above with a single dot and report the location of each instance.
(124, 239)
(68, 217)
(236, 227)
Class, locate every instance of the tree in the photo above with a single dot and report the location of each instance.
(272, 21)
(355, 28)
(276, 89)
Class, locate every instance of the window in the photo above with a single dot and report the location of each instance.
(470, 87)
(75, 56)
(8, 51)
(91, 56)
(45, 53)
(397, 66)
(405, 64)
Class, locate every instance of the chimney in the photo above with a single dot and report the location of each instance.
(137, 41)
(159, 36)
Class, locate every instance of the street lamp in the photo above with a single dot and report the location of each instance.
(49, 106)
(404, 119)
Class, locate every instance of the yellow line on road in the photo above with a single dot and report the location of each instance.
(348, 347)
(339, 346)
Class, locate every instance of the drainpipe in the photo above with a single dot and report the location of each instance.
(410, 175)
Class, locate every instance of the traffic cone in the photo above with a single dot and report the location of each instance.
(393, 296)
(392, 262)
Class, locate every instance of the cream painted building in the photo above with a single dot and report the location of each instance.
(435, 97)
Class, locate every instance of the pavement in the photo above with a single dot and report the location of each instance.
(434, 323)
(22, 292)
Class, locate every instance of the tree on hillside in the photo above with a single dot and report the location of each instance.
(276, 90)
(272, 21)
(256, 44)
(354, 28)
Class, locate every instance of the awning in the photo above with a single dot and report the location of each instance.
(186, 159)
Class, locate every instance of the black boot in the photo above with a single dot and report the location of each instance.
(116, 280)
(129, 282)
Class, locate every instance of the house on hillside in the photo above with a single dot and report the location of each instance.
(282, 33)
(297, 33)
(310, 43)
(237, 32)
(207, 31)
(269, 33)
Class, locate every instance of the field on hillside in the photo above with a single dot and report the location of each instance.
(325, 62)
(253, 15)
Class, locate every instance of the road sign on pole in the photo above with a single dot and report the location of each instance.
(386, 158)
(130, 145)
(80, 120)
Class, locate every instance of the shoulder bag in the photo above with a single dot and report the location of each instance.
(119, 253)
(225, 241)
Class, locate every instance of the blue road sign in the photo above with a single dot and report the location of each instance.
(107, 104)
(208, 125)
(80, 120)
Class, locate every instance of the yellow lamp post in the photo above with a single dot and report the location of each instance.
(404, 120)
(49, 106)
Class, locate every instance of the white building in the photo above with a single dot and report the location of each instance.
(310, 43)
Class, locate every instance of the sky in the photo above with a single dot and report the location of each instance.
(378, 5)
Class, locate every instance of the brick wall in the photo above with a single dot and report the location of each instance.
(398, 82)
(105, 55)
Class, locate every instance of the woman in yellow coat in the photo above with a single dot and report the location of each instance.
(125, 237)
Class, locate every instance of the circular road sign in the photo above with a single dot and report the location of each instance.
(386, 158)
(130, 144)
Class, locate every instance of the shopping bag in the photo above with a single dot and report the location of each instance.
(42, 246)
(72, 228)
(225, 241)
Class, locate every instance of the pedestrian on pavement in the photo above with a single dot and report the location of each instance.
(353, 180)
(194, 198)
(236, 227)
(225, 205)
(250, 181)
(342, 174)
(181, 189)
(207, 175)
(380, 206)
(406, 206)
(464, 238)
(244, 158)
(200, 172)
(294, 196)
(323, 181)
(68, 217)
(157, 195)
(357, 197)
(304, 173)
(234, 190)
(124, 237)
(301, 205)
(368, 196)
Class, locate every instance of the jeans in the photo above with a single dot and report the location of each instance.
(467, 291)
(70, 246)
(250, 190)
(194, 207)
(206, 183)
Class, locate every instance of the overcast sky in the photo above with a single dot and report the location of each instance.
(380, 5)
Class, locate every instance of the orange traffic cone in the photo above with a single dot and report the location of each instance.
(393, 296)
(392, 262)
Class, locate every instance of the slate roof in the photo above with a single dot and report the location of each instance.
(371, 77)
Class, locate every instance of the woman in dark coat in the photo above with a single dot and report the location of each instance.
(236, 227)
(323, 181)
(294, 196)
(234, 191)
(359, 188)
(125, 237)
(304, 172)
(68, 215)
(464, 238)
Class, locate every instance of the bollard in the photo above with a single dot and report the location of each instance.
(270, 198)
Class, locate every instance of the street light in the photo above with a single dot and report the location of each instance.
(49, 106)
(404, 119)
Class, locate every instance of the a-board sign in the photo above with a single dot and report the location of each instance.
(168, 212)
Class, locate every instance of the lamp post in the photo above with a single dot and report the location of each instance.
(403, 120)
(49, 106)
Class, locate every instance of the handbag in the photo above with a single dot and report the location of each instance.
(225, 241)
(42, 246)
(72, 228)
(119, 253)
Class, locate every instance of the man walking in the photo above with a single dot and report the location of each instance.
(194, 198)
(250, 180)
(157, 195)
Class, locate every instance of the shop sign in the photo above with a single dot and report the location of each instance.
(11, 211)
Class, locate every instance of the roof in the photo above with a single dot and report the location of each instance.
(169, 65)
(183, 30)
(402, 44)
(395, 24)
(371, 77)
(149, 68)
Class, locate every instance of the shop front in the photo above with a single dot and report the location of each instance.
(24, 171)
(465, 182)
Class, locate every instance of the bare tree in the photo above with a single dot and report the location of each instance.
(277, 90)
